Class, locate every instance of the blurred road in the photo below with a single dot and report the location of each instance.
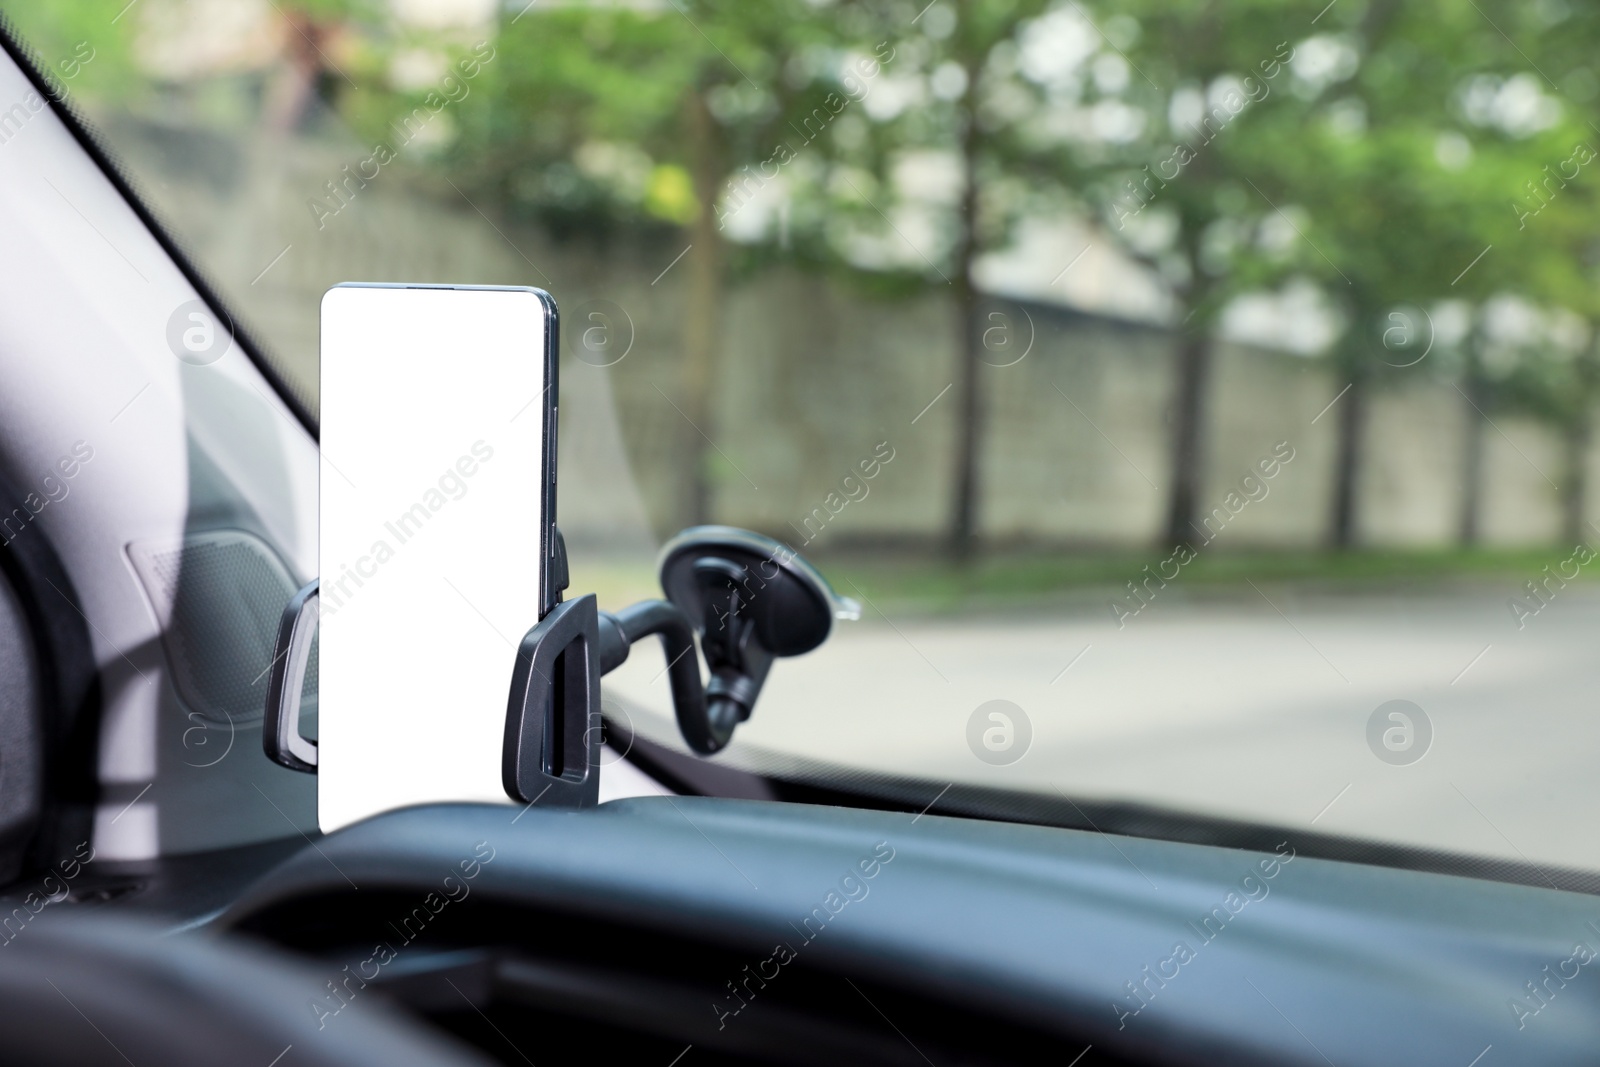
(1254, 708)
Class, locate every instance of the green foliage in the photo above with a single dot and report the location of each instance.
(582, 119)
(1391, 154)
(84, 46)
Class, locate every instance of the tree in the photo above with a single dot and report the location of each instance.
(1556, 383)
(668, 117)
(1397, 206)
(311, 31)
(1554, 372)
(978, 29)
(79, 46)
(1174, 187)
(957, 61)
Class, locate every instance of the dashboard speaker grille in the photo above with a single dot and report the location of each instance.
(218, 596)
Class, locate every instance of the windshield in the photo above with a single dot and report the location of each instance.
(1196, 397)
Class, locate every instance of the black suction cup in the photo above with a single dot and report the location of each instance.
(750, 599)
(788, 602)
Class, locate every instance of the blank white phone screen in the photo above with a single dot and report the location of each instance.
(432, 490)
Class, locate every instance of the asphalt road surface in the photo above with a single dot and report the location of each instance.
(1256, 706)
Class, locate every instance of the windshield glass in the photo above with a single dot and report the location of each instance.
(1197, 398)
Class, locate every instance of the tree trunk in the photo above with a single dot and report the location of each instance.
(969, 415)
(702, 311)
(1580, 436)
(1575, 488)
(1193, 383)
(1344, 529)
(964, 518)
(1477, 398)
(291, 91)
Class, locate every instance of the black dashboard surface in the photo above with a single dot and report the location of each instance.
(1154, 951)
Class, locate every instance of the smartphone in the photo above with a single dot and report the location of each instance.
(436, 534)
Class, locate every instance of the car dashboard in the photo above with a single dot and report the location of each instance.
(753, 931)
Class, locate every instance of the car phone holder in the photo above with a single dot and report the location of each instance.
(748, 598)
(291, 654)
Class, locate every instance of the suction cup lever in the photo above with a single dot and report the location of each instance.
(735, 656)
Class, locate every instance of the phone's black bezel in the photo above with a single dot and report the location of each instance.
(549, 413)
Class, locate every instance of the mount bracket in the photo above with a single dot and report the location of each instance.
(553, 727)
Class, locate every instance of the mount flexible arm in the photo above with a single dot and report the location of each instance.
(706, 728)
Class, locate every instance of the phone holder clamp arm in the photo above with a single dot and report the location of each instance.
(291, 653)
(552, 739)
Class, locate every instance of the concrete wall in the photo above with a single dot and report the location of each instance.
(814, 377)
